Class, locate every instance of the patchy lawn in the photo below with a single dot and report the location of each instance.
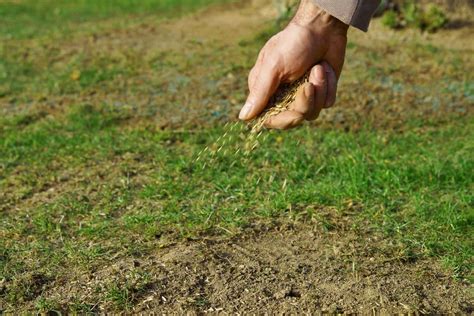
(104, 206)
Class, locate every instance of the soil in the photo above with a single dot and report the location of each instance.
(279, 268)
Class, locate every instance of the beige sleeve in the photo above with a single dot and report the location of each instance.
(352, 12)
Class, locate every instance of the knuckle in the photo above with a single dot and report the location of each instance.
(272, 63)
(297, 121)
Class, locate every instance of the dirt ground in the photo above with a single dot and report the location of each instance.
(280, 268)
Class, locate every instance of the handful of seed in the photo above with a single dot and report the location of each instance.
(280, 101)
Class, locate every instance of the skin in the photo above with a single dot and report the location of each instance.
(313, 39)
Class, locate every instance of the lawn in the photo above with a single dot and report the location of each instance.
(32, 19)
(104, 114)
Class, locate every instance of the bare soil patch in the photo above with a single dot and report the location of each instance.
(284, 268)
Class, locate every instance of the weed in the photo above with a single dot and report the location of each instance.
(119, 296)
(390, 19)
(430, 18)
(47, 306)
(434, 19)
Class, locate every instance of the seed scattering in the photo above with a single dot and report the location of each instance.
(236, 140)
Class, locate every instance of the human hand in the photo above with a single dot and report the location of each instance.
(311, 37)
(308, 103)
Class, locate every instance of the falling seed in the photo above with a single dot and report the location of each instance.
(280, 102)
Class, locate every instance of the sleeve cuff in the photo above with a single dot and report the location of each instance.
(356, 13)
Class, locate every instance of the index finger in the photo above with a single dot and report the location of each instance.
(261, 89)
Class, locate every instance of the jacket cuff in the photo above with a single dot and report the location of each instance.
(357, 13)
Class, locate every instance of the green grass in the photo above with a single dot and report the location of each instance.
(30, 18)
(415, 186)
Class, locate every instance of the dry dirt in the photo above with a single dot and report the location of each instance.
(279, 268)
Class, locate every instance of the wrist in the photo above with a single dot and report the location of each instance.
(318, 21)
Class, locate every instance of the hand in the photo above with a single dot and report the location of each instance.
(311, 37)
(307, 104)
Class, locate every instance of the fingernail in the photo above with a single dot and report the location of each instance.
(244, 113)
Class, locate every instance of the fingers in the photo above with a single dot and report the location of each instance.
(304, 99)
(309, 101)
(285, 120)
(334, 61)
(336, 54)
(255, 69)
(331, 79)
(318, 79)
(302, 108)
(263, 82)
(311, 97)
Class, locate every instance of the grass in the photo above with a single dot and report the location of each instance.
(29, 18)
(89, 172)
(415, 186)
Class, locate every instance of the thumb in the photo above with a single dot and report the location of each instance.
(263, 86)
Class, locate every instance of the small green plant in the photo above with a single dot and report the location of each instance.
(390, 19)
(119, 296)
(45, 305)
(434, 18)
(429, 19)
(411, 15)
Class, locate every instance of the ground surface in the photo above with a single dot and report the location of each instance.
(277, 269)
(105, 208)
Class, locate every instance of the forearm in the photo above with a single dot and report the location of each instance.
(357, 13)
